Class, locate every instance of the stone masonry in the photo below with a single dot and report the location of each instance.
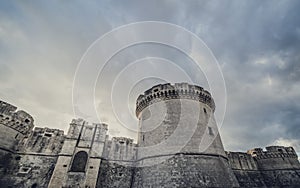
(162, 157)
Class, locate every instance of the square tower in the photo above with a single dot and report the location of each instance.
(79, 161)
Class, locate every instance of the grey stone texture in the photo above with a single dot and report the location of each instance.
(182, 126)
(178, 146)
(113, 174)
(187, 170)
(278, 166)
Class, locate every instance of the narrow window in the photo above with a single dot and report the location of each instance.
(48, 134)
(79, 162)
(117, 148)
(204, 110)
(210, 131)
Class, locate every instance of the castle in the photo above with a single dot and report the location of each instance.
(178, 146)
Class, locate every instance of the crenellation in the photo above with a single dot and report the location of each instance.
(273, 167)
(20, 120)
(273, 152)
(163, 92)
(6, 108)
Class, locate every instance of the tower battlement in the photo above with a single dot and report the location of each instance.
(273, 152)
(123, 140)
(168, 91)
(19, 120)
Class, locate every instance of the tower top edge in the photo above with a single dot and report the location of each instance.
(173, 91)
(176, 86)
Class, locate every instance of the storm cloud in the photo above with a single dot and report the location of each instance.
(256, 43)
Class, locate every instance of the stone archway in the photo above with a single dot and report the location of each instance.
(79, 162)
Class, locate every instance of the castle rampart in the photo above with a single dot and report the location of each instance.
(275, 157)
(33, 163)
(86, 157)
(278, 166)
(273, 152)
(14, 126)
(44, 140)
(20, 120)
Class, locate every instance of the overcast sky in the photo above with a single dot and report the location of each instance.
(256, 44)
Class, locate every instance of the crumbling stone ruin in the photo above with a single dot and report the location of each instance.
(163, 156)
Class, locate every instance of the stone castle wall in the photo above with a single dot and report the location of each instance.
(278, 166)
(117, 166)
(275, 158)
(14, 125)
(34, 162)
(86, 157)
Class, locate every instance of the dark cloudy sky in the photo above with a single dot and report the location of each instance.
(256, 43)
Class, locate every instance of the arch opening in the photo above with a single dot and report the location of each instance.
(79, 162)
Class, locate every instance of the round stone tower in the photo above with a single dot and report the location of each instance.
(179, 142)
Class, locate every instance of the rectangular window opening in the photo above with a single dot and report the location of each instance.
(210, 131)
